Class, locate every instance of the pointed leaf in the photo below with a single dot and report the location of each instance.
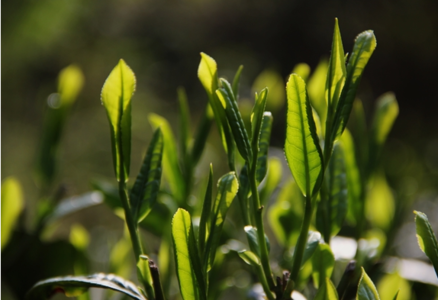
(147, 185)
(227, 190)
(206, 209)
(11, 206)
(302, 148)
(207, 74)
(257, 119)
(312, 243)
(236, 82)
(366, 289)
(426, 238)
(73, 286)
(181, 227)
(251, 234)
(327, 291)
(170, 160)
(336, 71)
(364, 46)
(225, 95)
(263, 146)
(323, 263)
(249, 257)
(116, 97)
(144, 275)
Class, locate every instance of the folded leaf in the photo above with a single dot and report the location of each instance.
(73, 286)
(257, 116)
(116, 98)
(11, 206)
(302, 148)
(366, 289)
(144, 275)
(426, 238)
(147, 185)
(263, 147)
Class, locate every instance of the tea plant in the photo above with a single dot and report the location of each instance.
(331, 179)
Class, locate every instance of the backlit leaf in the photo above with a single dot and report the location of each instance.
(426, 238)
(263, 147)
(275, 82)
(145, 190)
(70, 83)
(316, 90)
(257, 116)
(380, 203)
(323, 263)
(144, 275)
(12, 204)
(116, 97)
(366, 289)
(303, 70)
(327, 291)
(302, 148)
(73, 286)
(393, 286)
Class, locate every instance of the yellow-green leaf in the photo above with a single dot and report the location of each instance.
(12, 205)
(145, 276)
(392, 284)
(380, 204)
(327, 291)
(323, 262)
(70, 82)
(273, 80)
(366, 289)
(303, 70)
(79, 237)
(426, 238)
(116, 97)
(302, 148)
(316, 90)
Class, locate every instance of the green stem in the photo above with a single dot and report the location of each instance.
(258, 215)
(301, 245)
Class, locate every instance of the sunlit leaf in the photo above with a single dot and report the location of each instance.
(79, 237)
(323, 262)
(227, 190)
(181, 229)
(263, 145)
(364, 46)
(145, 190)
(171, 167)
(70, 82)
(302, 148)
(312, 243)
(257, 116)
(12, 203)
(225, 95)
(116, 97)
(249, 257)
(303, 70)
(316, 90)
(380, 206)
(144, 275)
(73, 286)
(327, 291)
(393, 286)
(426, 238)
(366, 289)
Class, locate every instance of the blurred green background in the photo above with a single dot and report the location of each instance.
(161, 41)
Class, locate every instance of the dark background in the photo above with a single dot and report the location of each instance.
(161, 41)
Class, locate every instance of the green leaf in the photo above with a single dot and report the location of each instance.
(207, 74)
(181, 229)
(380, 203)
(426, 238)
(316, 90)
(302, 148)
(251, 234)
(12, 204)
(227, 190)
(116, 97)
(364, 46)
(206, 209)
(242, 193)
(184, 123)
(336, 71)
(323, 263)
(263, 145)
(249, 257)
(236, 82)
(366, 289)
(312, 243)
(170, 159)
(273, 178)
(70, 83)
(393, 287)
(303, 70)
(79, 237)
(73, 286)
(384, 116)
(275, 82)
(327, 291)
(147, 185)
(225, 95)
(257, 116)
(332, 208)
(354, 181)
(145, 276)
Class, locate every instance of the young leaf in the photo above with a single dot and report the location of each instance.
(227, 190)
(327, 291)
(70, 83)
(236, 82)
(426, 238)
(181, 229)
(206, 208)
(146, 187)
(249, 257)
(364, 46)
(336, 71)
(323, 263)
(257, 116)
(225, 95)
(302, 148)
(263, 146)
(170, 160)
(73, 286)
(366, 289)
(116, 98)
(332, 210)
(11, 206)
(144, 275)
